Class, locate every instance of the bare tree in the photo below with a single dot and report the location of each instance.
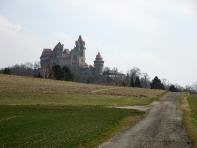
(191, 88)
(133, 74)
(145, 80)
(166, 83)
(28, 65)
(36, 65)
(45, 71)
(194, 87)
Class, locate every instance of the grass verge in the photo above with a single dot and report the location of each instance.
(189, 105)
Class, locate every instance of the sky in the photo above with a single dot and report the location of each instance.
(158, 36)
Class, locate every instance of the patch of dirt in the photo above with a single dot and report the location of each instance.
(161, 128)
(9, 118)
(100, 90)
(139, 108)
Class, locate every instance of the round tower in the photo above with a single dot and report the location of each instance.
(98, 64)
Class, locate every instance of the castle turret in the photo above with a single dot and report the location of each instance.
(80, 43)
(78, 54)
(98, 64)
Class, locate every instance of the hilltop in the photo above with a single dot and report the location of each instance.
(26, 90)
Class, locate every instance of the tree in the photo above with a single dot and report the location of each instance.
(133, 73)
(62, 73)
(195, 87)
(191, 88)
(172, 88)
(7, 71)
(156, 84)
(58, 72)
(132, 83)
(106, 71)
(166, 83)
(145, 80)
(46, 71)
(137, 82)
(36, 65)
(68, 76)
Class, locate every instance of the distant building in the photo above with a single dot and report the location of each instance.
(75, 59)
(98, 64)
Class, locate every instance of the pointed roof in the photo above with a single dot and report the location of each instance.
(80, 39)
(98, 56)
(59, 45)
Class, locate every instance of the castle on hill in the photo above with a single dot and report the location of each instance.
(75, 59)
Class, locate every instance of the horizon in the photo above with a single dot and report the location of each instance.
(158, 37)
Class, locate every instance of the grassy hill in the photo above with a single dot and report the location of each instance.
(15, 90)
(47, 113)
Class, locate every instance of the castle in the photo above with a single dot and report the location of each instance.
(75, 59)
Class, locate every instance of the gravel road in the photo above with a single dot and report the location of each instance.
(161, 128)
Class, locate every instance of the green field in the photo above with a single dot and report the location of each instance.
(190, 118)
(41, 126)
(47, 113)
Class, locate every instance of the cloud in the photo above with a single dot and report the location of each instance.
(17, 44)
(7, 25)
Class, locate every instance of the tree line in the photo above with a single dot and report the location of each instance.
(29, 69)
(133, 78)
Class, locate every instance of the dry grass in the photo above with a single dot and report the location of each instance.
(189, 105)
(17, 84)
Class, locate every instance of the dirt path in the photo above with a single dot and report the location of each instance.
(100, 90)
(139, 107)
(161, 128)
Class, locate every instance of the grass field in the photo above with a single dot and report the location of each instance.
(41, 126)
(16, 90)
(190, 118)
(47, 113)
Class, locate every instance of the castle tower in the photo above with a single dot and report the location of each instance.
(98, 64)
(78, 54)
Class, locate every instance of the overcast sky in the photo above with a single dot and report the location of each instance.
(158, 36)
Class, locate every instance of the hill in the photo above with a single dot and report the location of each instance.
(47, 113)
(16, 90)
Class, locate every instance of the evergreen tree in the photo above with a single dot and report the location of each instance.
(137, 82)
(58, 72)
(68, 76)
(156, 84)
(132, 84)
(173, 88)
(7, 71)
